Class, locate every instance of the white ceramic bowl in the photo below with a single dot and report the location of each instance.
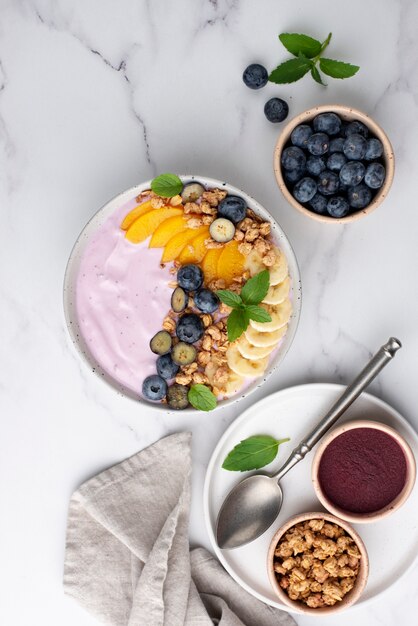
(101, 216)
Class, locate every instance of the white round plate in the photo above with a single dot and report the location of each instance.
(392, 543)
(70, 282)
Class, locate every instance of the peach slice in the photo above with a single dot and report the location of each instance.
(230, 262)
(166, 230)
(176, 244)
(210, 264)
(145, 225)
(133, 215)
(194, 251)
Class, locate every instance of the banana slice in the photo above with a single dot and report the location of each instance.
(279, 271)
(254, 263)
(252, 352)
(245, 367)
(280, 315)
(234, 384)
(277, 293)
(262, 340)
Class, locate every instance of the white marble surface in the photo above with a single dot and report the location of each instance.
(96, 96)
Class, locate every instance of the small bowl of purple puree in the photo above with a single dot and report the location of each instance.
(363, 471)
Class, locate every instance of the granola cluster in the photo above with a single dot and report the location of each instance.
(316, 563)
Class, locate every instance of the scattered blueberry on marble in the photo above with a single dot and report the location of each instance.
(190, 277)
(255, 76)
(154, 388)
(276, 110)
(206, 300)
(232, 208)
(332, 166)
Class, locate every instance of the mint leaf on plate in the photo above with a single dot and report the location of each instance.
(236, 324)
(337, 69)
(201, 398)
(229, 298)
(167, 185)
(253, 453)
(296, 43)
(290, 71)
(257, 313)
(256, 288)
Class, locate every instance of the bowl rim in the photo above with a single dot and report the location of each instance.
(71, 270)
(364, 518)
(361, 579)
(350, 113)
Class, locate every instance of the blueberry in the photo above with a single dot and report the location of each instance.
(183, 353)
(318, 144)
(375, 175)
(255, 76)
(276, 110)
(336, 145)
(189, 328)
(352, 173)
(177, 396)
(190, 277)
(161, 342)
(338, 206)
(319, 204)
(374, 149)
(300, 135)
(359, 196)
(154, 387)
(179, 300)
(356, 128)
(292, 176)
(206, 300)
(328, 183)
(305, 189)
(293, 158)
(315, 165)
(233, 208)
(328, 123)
(336, 161)
(355, 147)
(166, 368)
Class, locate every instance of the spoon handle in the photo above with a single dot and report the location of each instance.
(374, 366)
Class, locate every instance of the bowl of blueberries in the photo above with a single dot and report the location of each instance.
(334, 163)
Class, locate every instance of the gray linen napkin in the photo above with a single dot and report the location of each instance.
(127, 557)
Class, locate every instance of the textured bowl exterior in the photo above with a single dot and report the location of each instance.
(364, 518)
(348, 114)
(69, 293)
(361, 579)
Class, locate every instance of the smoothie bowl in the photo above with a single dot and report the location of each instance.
(182, 300)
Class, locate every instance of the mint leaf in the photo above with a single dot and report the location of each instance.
(297, 44)
(252, 453)
(317, 76)
(229, 298)
(256, 288)
(201, 398)
(257, 313)
(338, 69)
(290, 71)
(167, 185)
(237, 322)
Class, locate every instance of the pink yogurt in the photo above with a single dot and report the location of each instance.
(122, 297)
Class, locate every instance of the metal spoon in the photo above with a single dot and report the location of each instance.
(253, 505)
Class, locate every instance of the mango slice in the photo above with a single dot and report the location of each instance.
(209, 264)
(166, 230)
(194, 251)
(230, 262)
(145, 225)
(176, 244)
(133, 215)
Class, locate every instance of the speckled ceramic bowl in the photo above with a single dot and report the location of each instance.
(360, 582)
(348, 114)
(85, 237)
(364, 518)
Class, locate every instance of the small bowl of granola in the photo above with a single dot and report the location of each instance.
(317, 564)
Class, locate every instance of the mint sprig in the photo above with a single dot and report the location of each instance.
(308, 53)
(167, 185)
(245, 306)
(253, 453)
(201, 398)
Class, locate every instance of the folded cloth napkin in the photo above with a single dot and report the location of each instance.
(127, 557)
